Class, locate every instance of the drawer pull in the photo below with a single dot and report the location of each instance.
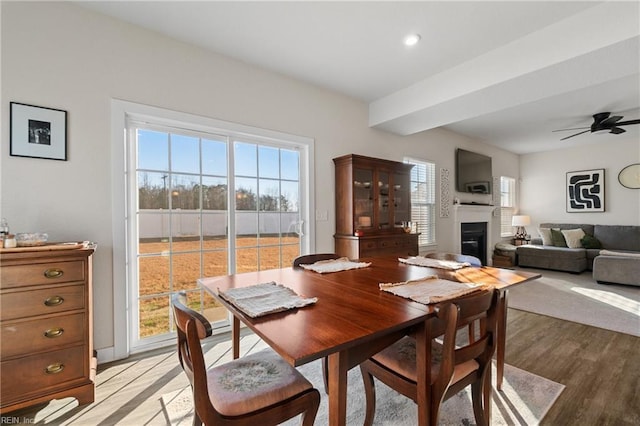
(53, 273)
(54, 332)
(54, 368)
(54, 300)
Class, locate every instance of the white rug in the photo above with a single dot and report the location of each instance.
(578, 298)
(524, 400)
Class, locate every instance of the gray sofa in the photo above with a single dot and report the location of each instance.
(618, 261)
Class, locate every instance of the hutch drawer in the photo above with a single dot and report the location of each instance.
(40, 335)
(46, 371)
(42, 301)
(41, 273)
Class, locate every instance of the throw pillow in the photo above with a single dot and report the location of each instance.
(557, 238)
(572, 237)
(590, 242)
(545, 234)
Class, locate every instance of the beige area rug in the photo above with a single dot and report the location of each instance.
(524, 400)
(578, 298)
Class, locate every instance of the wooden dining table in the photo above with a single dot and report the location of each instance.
(353, 319)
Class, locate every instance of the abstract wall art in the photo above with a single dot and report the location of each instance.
(585, 191)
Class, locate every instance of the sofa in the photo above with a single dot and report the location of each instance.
(612, 252)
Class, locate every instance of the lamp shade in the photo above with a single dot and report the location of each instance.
(520, 220)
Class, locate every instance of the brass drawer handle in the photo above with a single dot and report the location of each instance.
(54, 300)
(53, 273)
(54, 368)
(54, 332)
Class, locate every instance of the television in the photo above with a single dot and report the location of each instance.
(473, 172)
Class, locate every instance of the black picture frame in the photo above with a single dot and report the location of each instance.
(585, 191)
(38, 132)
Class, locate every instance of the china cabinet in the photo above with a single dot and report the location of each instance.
(46, 326)
(373, 207)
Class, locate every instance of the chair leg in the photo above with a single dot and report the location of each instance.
(481, 397)
(476, 398)
(309, 416)
(487, 391)
(370, 396)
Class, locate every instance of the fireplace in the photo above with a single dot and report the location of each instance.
(469, 214)
(473, 237)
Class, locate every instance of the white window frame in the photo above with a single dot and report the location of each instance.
(428, 228)
(508, 207)
(121, 195)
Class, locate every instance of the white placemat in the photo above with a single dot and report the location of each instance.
(434, 263)
(430, 289)
(334, 265)
(266, 298)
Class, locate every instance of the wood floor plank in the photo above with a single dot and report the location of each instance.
(600, 368)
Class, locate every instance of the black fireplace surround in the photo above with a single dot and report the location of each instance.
(473, 240)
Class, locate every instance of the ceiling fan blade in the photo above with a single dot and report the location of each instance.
(609, 121)
(585, 131)
(617, 130)
(600, 117)
(576, 128)
(626, 123)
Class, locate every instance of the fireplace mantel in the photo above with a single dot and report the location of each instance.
(469, 213)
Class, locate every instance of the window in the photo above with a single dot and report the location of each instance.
(423, 199)
(203, 198)
(507, 205)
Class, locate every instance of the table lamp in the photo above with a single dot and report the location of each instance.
(520, 221)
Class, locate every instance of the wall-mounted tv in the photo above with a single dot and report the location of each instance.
(473, 172)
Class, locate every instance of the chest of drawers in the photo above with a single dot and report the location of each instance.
(45, 327)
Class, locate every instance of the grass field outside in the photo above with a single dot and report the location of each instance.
(166, 267)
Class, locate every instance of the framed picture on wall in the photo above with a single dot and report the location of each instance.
(585, 191)
(38, 132)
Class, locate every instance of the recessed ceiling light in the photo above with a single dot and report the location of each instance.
(411, 39)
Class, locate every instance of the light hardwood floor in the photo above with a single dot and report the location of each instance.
(600, 369)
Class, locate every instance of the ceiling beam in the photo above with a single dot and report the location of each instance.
(597, 45)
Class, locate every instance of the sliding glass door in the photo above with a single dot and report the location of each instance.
(205, 205)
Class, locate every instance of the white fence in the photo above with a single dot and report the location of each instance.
(154, 224)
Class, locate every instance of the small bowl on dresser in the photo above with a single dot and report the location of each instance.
(31, 239)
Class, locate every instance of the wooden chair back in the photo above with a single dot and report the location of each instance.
(471, 360)
(313, 258)
(290, 400)
(184, 318)
(477, 313)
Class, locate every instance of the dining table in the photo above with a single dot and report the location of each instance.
(353, 318)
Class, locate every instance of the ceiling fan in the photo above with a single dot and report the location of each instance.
(602, 121)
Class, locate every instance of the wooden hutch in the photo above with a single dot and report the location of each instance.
(373, 199)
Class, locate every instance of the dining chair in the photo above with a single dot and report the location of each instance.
(472, 260)
(452, 367)
(313, 258)
(258, 389)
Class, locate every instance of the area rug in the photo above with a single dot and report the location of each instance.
(524, 400)
(578, 298)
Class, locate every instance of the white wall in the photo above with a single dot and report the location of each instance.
(543, 183)
(62, 56)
